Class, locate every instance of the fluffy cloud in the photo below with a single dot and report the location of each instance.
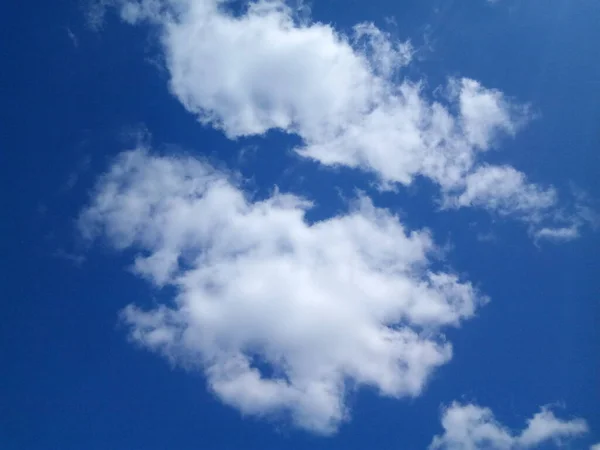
(344, 95)
(282, 315)
(470, 427)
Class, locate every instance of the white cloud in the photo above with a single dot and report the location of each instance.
(545, 426)
(595, 446)
(559, 234)
(485, 112)
(261, 71)
(347, 301)
(471, 427)
(345, 97)
(504, 190)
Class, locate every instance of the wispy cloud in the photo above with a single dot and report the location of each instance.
(72, 37)
(74, 258)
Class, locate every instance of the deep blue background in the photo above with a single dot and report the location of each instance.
(68, 377)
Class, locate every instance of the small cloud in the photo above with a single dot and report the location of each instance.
(490, 236)
(247, 152)
(471, 427)
(558, 234)
(74, 258)
(72, 37)
(95, 11)
(73, 178)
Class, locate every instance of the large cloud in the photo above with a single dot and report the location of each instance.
(282, 315)
(471, 427)
(345, 97)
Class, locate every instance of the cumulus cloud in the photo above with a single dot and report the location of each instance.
(282, 315)
(595, 446)
(471, 427)
(345, 96)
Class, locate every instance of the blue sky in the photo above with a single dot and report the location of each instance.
(168, 286)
